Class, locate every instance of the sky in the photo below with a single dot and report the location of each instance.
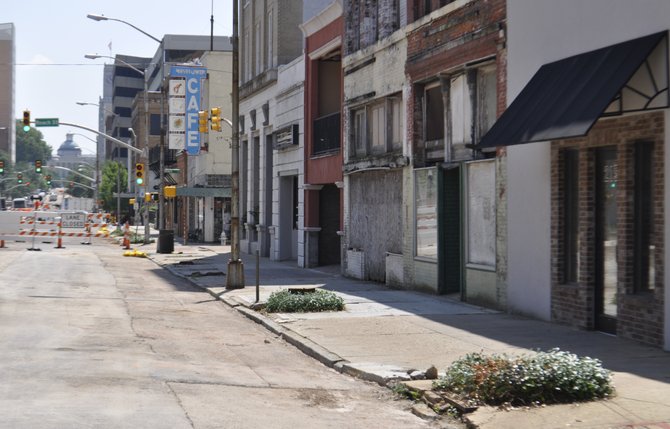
(52, 37)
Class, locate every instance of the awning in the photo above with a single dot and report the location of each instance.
(565, 98)
(203, 192)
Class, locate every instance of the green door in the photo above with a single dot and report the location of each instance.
(449, 230)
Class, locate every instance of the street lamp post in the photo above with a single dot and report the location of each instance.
(235, 276)
(97, 165)
(161, 161)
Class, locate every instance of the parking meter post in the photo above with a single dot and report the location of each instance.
(258, 276)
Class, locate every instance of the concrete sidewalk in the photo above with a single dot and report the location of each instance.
(386, 334)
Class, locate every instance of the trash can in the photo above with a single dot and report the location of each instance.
(165, 243)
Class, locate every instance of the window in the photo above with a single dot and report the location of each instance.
(247, 55)
(425, 212)
(155, 125)
(644, 266)
(270, 41)
(487, 99)
(471, 98)
(258, 51)
(397, 124)
(434, 108)
(461, 111)
(377, 129)
(571, 216)
(360, 140)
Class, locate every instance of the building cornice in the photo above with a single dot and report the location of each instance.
(328, 15)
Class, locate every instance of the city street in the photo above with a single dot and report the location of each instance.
(89, 338)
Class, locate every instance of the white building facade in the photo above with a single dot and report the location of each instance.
(587, 214)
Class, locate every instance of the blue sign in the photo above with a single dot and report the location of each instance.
(193, 77)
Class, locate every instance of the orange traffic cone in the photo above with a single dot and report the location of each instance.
(126, 237)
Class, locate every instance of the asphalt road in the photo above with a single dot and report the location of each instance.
(89, 338)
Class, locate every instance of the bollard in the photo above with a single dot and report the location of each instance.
(60, 239)
(2, 244)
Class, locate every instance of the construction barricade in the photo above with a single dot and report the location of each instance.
(52, 224)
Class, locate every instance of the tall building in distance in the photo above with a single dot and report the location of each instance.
(7, 76)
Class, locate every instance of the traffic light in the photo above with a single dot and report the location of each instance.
(26, 120)
(2, 167)
(19, 178)
(139, 173)
(216, 118)
(48, 179)
(202, 121)
(38, 166)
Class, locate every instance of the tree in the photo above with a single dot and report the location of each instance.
(30, 145)
(112, 173)
(32, 181)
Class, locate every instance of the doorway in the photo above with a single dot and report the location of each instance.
(606, 269)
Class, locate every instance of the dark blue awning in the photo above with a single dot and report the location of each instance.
(565, 98)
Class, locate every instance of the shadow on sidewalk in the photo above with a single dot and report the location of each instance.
(443, 314)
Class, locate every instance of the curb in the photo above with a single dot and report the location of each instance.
(304, 344)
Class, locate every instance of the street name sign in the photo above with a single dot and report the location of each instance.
(46, 122)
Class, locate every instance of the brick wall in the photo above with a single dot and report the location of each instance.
(453, 39)
(639, 314)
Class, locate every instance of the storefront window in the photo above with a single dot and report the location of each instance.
(425, 190)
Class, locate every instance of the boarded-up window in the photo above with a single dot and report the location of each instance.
(481, 225)
(378, 128)
(461, 111)
(487, 99)
(425, 189)
(397, 119)
(359, 133)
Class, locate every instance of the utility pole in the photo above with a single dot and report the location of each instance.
(235, 275)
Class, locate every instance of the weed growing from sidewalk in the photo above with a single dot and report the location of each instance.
(404, 392)
(541, 378)
(319, 300)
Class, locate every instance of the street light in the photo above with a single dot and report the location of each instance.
(145, 152)
(161, 159)
(97, 162)
(101, 17)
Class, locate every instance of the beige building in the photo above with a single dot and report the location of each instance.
(7, 76)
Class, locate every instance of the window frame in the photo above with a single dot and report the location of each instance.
(570, 216)
(643, 218)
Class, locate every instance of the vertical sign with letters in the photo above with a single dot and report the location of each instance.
(184, 99)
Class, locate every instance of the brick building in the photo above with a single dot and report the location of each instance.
(323, 136)
(423, 81)
(374, 136)
(586, 141)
